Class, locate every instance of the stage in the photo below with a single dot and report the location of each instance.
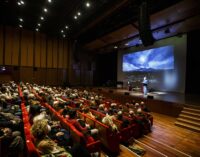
(164, 96)
(168, 103)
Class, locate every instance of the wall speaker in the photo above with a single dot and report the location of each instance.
(126, 93)
(35, 69)
(144, 24)
(149, 96)
(16, 68)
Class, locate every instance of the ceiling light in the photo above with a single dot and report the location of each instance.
(87, 4)
(22, 2)
(79, 13)
(20, 26)
(42, 18)
(64, 35)
(75, 17)
(45, 10)
(115, 47)
(37, 29)
(39, 24)
(62, 31)
(19, 3)
(66, 27)
(49, 1)
(20, 19)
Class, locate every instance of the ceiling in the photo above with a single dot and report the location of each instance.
(101, 25)
(176, 19)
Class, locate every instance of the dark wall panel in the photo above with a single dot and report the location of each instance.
(39, 76)
(26, 74)
(192, 66)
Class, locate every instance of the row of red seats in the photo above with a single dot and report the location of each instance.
(31, 149)
(92, 147)
(111, 140)
(108, 138)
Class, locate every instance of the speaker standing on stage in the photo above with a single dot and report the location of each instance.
(145, 85)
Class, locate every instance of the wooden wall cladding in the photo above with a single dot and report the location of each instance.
(8, 45)
(43, 52)
(20, 47)
(65, 54)
(49, 53)
(55, 53)
(33, 56)
(1, 45)
(26, 48)
(29, 40)
(16, 47)
(37, 49)
(60, 54)
(12, 38)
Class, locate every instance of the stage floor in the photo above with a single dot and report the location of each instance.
(163, 96)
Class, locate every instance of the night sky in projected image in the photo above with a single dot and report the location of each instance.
(161, 58)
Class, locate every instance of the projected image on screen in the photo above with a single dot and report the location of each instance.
(161, 58)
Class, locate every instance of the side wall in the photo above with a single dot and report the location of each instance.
(33, 57)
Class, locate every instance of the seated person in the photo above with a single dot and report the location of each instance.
(108, 120)
(12, 143)
(143, 120)
(81, 126)
(34, 110)
(144, 107)
(45, 145)
(48, 148)
(86, 110)
(10, 120)
(101, 108)
(125, 123)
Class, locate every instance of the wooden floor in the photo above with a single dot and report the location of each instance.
(166, 139)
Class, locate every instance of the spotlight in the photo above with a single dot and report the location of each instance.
(79, 14)
(87, 4)
(45, 10)
(22, 2)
